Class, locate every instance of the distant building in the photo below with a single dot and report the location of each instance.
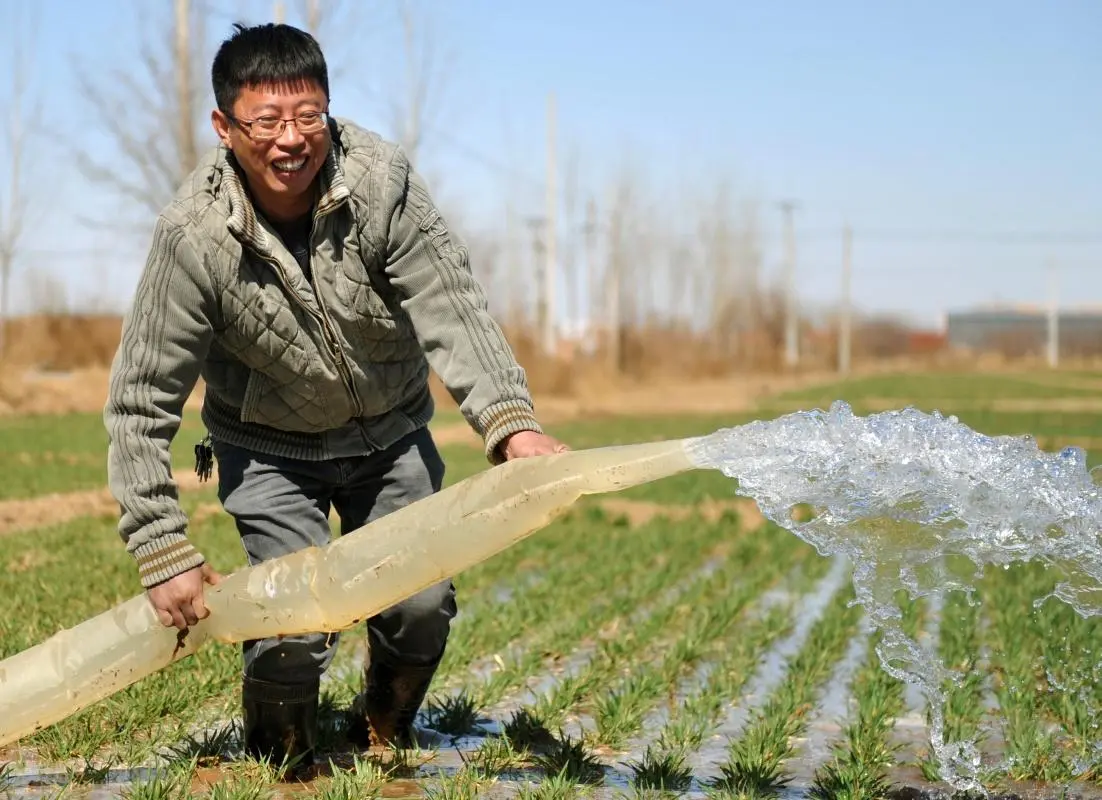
(1024, 331)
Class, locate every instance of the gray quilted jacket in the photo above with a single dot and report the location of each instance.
(285, 358)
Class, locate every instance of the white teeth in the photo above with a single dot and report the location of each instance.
(290, 165)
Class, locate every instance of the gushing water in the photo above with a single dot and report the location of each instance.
(906, 496)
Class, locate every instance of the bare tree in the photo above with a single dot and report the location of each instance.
(573, 280)
(15, 197)
(313, 15)
(152, 113)
(410, 96)
(730, 258)
(614, 268)
(323, 20)
(422, 80)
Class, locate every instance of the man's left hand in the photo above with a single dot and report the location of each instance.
(525, 444)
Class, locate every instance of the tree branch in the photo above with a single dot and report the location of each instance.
(150, 114)
(21, 118)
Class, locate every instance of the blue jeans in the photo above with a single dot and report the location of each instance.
(281, 505)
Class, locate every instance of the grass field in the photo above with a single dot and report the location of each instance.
(665, 644)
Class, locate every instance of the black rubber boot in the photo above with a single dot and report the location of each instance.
(280, 722)
(383, 713)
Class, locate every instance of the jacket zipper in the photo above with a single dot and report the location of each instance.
(342, 362)
(330, 337)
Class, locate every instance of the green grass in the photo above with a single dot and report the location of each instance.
(45, 454)
(660, 650)
(921, 389)
(965, 396)
(66, 453)
(864, 754)
(754, 764)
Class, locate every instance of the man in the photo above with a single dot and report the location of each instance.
(305, 274)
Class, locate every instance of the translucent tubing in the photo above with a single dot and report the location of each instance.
(323, 589)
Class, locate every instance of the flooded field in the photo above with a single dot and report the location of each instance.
(664, 642)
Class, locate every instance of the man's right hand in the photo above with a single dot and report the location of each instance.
(179, 600)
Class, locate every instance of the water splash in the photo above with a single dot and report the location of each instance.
(923, 503)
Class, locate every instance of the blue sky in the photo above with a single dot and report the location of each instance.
(933, 128)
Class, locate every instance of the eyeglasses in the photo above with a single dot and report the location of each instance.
(265, 129)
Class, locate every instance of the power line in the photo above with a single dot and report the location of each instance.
(901, 236)
(884, 267)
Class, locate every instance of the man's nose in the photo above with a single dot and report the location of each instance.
(291, 136)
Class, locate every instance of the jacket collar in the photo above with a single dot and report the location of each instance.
(243, 222)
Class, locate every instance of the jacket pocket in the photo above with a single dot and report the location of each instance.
(296, 406)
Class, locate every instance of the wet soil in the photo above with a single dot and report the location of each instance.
(305, 785)
(417, 781)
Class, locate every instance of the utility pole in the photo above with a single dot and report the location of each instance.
(791, 323)
(516, 289)
(13, 208)
(538, 228)
(591, 284)
(550, 250)
(845, 327)
(1053, 343)
(571, 305)
(612, 282)
(313, 18)
(185, 119)
(277, 12)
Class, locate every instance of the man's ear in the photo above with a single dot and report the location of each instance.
(221, 124)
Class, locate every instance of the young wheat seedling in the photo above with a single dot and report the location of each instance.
(454, 715)
(363, 781)
(664, 770)
(571, 760)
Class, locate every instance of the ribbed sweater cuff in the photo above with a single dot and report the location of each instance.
(165, 557)
(502, 420)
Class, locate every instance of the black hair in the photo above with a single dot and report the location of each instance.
(263, 55)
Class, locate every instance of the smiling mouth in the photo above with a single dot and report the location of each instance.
(289, 164)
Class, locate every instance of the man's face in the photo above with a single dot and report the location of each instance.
(280, 170)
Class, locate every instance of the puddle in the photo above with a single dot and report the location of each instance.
(815, 746)
(657, 718)
(403, 788)
(713, 752)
